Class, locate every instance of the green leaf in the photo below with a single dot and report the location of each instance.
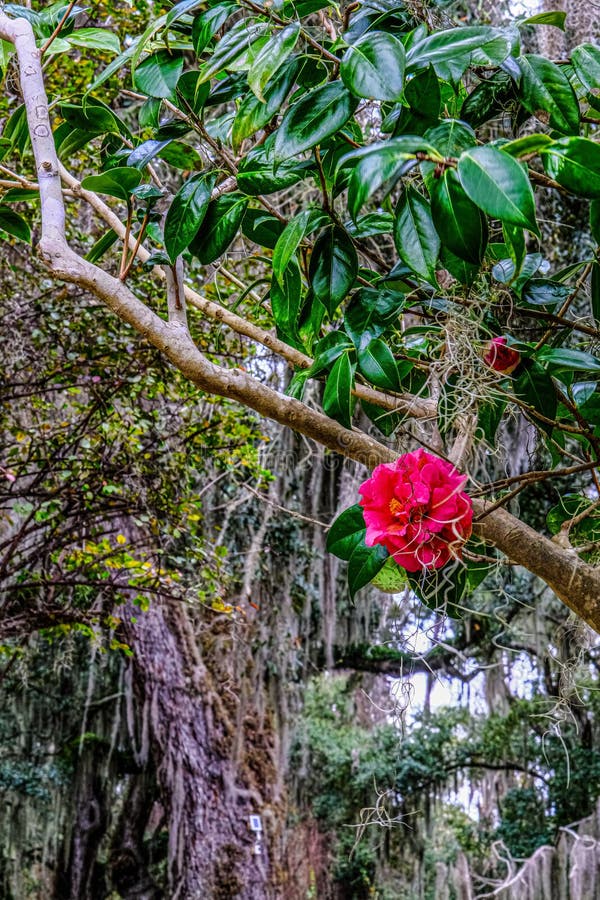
(363, 566)
(415, 236)
(373, 66)
(595, 291)
(286, 302)
(95, 39)
(460, 224)
(145, 153)
(182, 8)
(208, 23)
(453, 48)
(557, 359)
(489, 99)
(378, 164)
(553, 17)
(312, 118)
(544, 291)
(181, 156)
(529, 143)
(219, 227)
(535, 387)
(346, 532)
(262, 228)
(256, 174)
(595, 220)
(328, 349)
(253, 114)
(391, 579)
(186, 212)
(441, 589)
(369, 313)
(296, 229)
(333, 267)
(14, 224)
(515, 243)
(114, 67)
(489, 416)
(101, 246)
(370, 225)
(338, 401)
(271, 57)
(117, 182)
(93, 116)
(586, 62)
(574, 163)
(546, 92)
(498, 185)
(376, 362)
(235, 48)
(21, 195)
(158, 74)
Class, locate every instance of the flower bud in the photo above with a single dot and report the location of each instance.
(500, 357)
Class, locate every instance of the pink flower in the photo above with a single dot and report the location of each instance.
(500, 357)
(417, 509)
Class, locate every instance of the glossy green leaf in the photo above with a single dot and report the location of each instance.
(338, 400)
(271, 57)
(498, 185)
(373, 66)
(253, 114)
(456, 46)
(364, 565)
(380, 164)
(595, 291)
(595, 220)
(14, 224)
(415, 235)
(441, 590)
(286, 301)
(181, 156)
(489, 99)
(186, 212)
(262, 228)
(333, 267)
(370, 312)
(256, 173)
(553, 17)
(574, 163)
(586, 61)
(117, 182)
(460, 224)
(489, 416)
(235, 48)
(514, 239)
(219, 227)
(535, 388)
(208, 23)
(556, 359)
(312, 118)
(346, 532)
(297, 228)
(529, 143)
(102, 246)
(546, 92)
(182, 8)
(158, 74)
(376, 362)
(95, 39)
(543, 291)
(327, 350)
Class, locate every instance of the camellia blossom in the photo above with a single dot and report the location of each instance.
(417, 509)
(500, 357)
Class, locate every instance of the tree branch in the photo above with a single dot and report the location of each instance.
(574, 581)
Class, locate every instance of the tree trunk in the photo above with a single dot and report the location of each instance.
(188, 731)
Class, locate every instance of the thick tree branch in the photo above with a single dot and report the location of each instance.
(574, 581)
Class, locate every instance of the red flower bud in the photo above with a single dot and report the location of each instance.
(500, 357)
